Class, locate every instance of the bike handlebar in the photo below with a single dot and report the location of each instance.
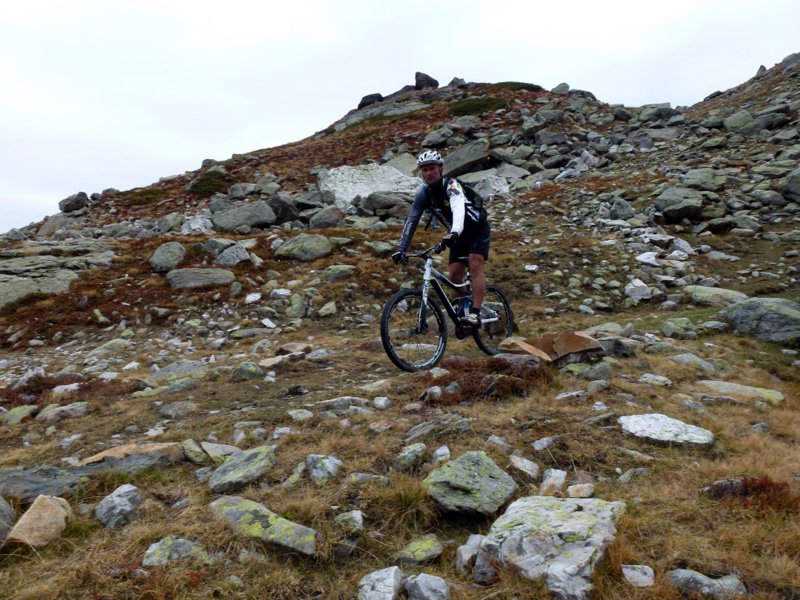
(428, 251)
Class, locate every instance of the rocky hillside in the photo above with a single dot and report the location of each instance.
(195, 400)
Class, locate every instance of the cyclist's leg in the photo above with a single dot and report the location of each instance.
(478, 255)
(457, 267)
(478, 279)
(456, 271)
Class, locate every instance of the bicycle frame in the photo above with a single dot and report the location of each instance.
(432, 278)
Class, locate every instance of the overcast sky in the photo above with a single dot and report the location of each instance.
(117, 93)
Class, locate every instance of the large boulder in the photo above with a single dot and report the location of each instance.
(345, 183)
(167, 257)
(74, 202)
(711, 296)
(254, 214)
(677, 203)
(471, 483)
(422, 81)
(465, 157)
(771, 319)
(305, 247)
(789, 186)
(559, 541)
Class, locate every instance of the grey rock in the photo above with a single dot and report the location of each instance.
(322, 468)
(771, 319)
(692, 582)
(328, 216)
(638, 575)
(423, 81)
(55, 413)
(246, 371)
(421, 550)
(465, 157)
(410, 457)
(25, 485)
(711, 296)
(426, 587)
(74, 202)
(233, 255)
(167, 257)
(180, 368)
(255, 520)
(254, 214)
(345, 183)
(195, 278)
(178, 410)
(660, 428)
(119, 507)
(789, 186)
(171, 549)
(381, 585)
(447, 423)
(305, 247)
(7, 518)
(470, 483)
(556, 540)
(241, 469)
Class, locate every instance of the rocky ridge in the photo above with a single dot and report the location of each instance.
(267, 272)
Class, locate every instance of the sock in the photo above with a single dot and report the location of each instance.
(475, 310)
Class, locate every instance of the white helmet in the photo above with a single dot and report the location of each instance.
(430, 157)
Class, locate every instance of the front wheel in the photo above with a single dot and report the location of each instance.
(497, 321)
(414, 337)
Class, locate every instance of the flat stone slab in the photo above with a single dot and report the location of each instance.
(194, 278)
(711, 296)
(255, 520)
(743, 391)
(242, 468)
(661, 428)
(556, 540)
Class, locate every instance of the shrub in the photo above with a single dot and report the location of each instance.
(491, 379)
(143, 196)
(476, 106)
(519, 85)
(209, 183)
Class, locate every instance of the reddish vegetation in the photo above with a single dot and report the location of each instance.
(755, 492)
(486, 379)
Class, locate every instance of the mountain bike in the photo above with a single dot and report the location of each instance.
(413, 327)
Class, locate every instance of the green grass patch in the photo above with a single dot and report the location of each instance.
(143, 196)
(209, 183)
(381, 120)
(476, 106)
(518, 85)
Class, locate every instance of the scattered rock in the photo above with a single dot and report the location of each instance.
(470, 483)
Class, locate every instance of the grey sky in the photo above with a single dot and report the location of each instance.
(100, 94)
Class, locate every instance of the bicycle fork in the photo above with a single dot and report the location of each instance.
(426, 288)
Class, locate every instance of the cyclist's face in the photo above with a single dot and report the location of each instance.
(431, 173)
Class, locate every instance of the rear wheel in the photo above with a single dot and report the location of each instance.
(412, 343)
(497, 321)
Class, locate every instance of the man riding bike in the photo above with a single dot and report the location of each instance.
(466, 219)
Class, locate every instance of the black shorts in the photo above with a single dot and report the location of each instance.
(473, 240)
